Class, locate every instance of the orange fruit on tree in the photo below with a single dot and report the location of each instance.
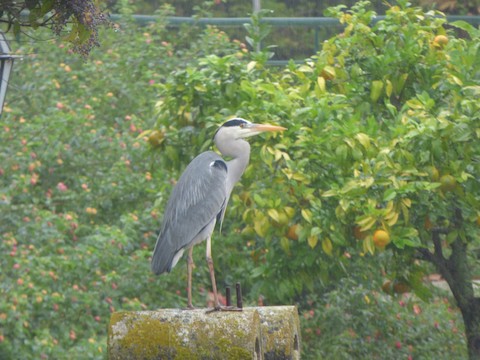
(292, 233)
(381, 238)
(440, 41)
(447, 183)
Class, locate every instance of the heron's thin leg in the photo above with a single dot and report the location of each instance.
(212, 273)
(216, 306)
(190, 266)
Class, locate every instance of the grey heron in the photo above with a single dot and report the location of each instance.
(200, 197)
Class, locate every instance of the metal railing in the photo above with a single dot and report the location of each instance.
(274, 21)
(316, 23)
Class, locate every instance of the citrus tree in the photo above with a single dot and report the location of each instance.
(394, 161)
(382, 154)
(404, 147)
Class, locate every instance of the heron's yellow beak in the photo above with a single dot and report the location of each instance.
(258, 128)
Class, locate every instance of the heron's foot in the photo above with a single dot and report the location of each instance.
(223, 308)
(189, 307)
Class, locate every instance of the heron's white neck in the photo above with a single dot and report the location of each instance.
(239, 151)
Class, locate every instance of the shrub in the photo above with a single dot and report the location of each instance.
(80, 189)
(355, 321)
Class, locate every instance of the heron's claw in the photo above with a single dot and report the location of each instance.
(223, 308)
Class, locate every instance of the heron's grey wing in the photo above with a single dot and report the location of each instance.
(197, 199)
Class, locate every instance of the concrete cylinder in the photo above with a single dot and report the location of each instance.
(280, 332)
(185, 334)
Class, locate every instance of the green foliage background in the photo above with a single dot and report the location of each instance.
(82, 190)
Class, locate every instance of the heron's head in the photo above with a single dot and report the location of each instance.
(229, 137)
(239, 128)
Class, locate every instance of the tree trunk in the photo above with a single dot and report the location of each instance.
(460, 281)
(457, 274)
(471, 318)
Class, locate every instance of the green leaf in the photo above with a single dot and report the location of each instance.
(330, 193)
(312, 241)
(327, 246)
(368, 245)
(389, 195)
(342, 152)
(285, 244)
(452, 236)
(389, 88)
(321, 84)
(315, 231)
(465, 26)
(47, 6)
(259, 200)
(363, 139)
(251, 65)
(273, 213)
(366, 222)
(376, 90)
(307, 215)
(257, 272)
(305, 68)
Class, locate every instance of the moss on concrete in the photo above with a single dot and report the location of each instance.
(177, 334)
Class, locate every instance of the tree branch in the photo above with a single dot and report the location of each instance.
(426, 255)
(436, 257)
(437, 245)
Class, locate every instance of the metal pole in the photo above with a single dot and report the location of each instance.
(6, 63)
(256, 9)
(239, 295)
(256, 6)
(228, 296)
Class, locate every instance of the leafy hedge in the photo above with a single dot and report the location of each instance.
(88, 161)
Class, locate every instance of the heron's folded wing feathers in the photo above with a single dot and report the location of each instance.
(198, 197)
